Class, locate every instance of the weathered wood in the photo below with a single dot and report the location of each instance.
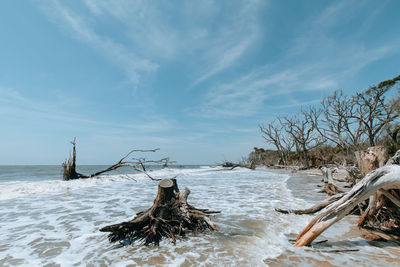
(372, 158)
(387, 177)
(70, 172)
(392, 198)
(314, 208)
(169, 216)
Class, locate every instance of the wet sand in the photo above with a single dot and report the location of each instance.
(344, 235)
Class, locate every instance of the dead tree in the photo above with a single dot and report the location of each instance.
(371, 158)
(338, 125)
(373, 111)
(170, 216)
(315, 208)
(303, 131)
(381, 187)
(274, 134)
(138, 165)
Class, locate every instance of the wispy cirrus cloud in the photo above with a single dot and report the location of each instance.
(233, 41)
(318, 62)
(215, 34)
(246, 95)
(15, 106)
(81, 29)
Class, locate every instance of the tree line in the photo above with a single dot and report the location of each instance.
(340, 125)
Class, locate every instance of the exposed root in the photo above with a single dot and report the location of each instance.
(170, 216)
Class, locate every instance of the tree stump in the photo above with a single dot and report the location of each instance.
(169, 216)
(371, 159)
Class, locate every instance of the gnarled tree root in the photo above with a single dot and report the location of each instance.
(384, 178)
(170, 216)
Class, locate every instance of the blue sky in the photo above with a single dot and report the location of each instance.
(194, 78)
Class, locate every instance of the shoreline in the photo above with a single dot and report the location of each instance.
(344, 235)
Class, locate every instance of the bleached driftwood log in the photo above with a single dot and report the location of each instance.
(315, 208)
(384, 178)
(372, 158)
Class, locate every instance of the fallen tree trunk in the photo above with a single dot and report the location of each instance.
(386, 178)
(169, 217)
(314, 208)
(70, 172)
(232, 165)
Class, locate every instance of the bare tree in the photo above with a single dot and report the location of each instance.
(275, 133)
(338, 125)
(302, 129)
(373, 111)
(272, 134)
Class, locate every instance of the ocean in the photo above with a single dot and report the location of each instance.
(45, 221)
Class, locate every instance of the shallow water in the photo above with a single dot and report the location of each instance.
(45, 221)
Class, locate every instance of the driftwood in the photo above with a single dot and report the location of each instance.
(138, 165)
(170, 216)
(370, 187)
(372, 158)
(314, 208)
(329, 185)
(232, 165)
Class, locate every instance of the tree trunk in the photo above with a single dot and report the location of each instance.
(387, 177)
(70, 172)
(315, 208)
(169, 216)
(372, 158)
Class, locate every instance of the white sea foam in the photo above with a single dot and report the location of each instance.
(57, 222)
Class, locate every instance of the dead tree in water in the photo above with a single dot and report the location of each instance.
(169, 216)
(70, 172)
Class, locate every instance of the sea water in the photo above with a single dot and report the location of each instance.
(47, 221)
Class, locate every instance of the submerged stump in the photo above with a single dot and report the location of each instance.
(170, 216)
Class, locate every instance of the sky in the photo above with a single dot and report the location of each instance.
(193, 78)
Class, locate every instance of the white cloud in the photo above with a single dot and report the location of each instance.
(234, 39)
(214, 35)
(246, 95)
(315, 62)
(130, 62)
